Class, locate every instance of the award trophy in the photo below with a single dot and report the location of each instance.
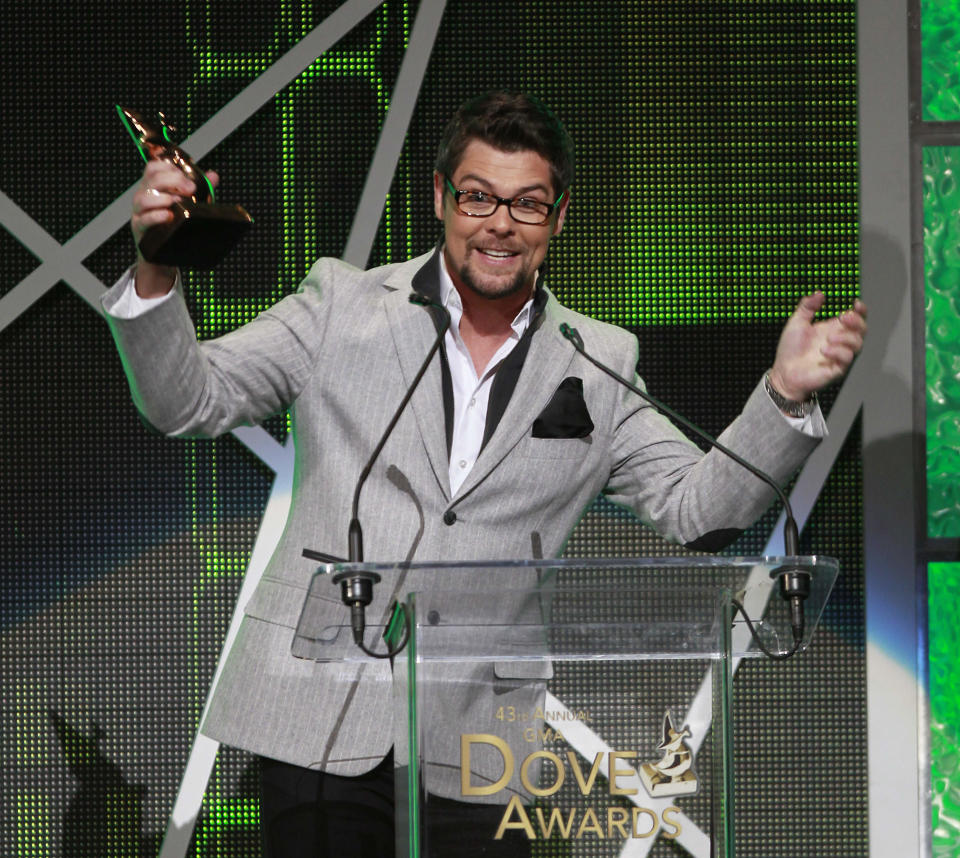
(202, 231)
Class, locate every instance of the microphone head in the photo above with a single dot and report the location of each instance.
(571, 334)
(422, 300)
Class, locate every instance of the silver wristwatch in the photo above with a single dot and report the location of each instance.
(791, 407)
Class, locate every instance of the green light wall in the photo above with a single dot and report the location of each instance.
(941, 276)
(944, 641)
(941, 201)
(739, 190)
(940, 62)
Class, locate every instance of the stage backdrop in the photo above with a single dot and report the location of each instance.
(716, 184)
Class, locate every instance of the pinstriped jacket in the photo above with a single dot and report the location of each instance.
(339, 354)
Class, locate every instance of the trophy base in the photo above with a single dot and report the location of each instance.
(199, 236)
(659, 785)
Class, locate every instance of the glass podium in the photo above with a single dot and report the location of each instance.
(583, 706)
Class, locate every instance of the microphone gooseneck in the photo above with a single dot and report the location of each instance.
(355, 533)
(794, 582)
(356, 587)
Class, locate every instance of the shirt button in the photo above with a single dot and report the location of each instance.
(473, 402)
(462, 463)
(449, 517)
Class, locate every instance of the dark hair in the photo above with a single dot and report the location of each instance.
(511, 122)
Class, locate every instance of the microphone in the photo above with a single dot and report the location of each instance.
(794, 582)
(356, 588)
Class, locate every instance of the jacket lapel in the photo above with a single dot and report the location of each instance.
(413, 331)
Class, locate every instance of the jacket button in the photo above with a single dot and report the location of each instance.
(449, 517)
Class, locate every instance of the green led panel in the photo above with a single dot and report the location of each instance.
(944, 642)
(297, 151)
(941, 246)
(940, 32)
(737, 192)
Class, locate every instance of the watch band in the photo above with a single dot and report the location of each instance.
(790, 407)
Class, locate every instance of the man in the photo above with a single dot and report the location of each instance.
(506, 441)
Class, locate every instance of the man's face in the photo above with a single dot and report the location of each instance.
(495, 256)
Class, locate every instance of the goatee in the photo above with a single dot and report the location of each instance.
(512, 288)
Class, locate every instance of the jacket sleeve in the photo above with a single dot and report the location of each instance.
(186, 388)
(702, 500)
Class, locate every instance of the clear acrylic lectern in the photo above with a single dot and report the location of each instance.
(581, 705)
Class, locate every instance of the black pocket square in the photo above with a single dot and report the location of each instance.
(566, 414)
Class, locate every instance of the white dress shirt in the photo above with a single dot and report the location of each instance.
(471, 394)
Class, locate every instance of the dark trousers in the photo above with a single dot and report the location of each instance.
(309, 814)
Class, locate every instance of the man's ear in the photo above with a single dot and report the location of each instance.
(438, 195)
(562, 213)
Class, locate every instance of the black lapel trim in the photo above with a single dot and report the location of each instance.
(447, 383)
(427, 280)
(505, 381)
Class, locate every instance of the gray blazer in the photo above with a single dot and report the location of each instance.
(339, 354)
